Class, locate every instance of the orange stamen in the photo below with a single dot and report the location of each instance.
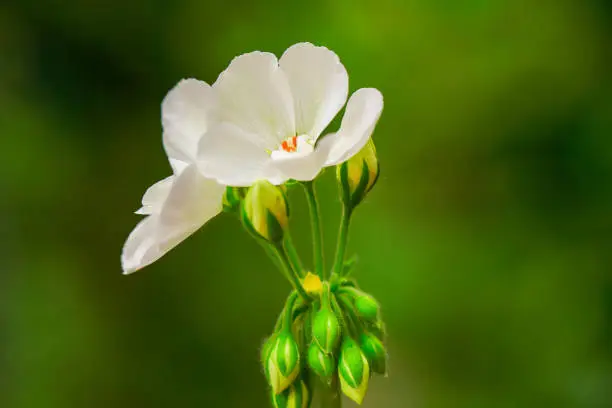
(289, 145)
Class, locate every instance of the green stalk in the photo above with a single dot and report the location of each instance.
(342, 240)
(317, 233)
(293, 277)
(294, 257)
(330, 396)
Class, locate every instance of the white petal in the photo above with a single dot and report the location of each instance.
(362, 112)
(149, 241)
(305, 167)
(254, 95)
(140, 248)
(191, 202)
(229, 155)
(187, 111)
(319, 85)
(154, 197)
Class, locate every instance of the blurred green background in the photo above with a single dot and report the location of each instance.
(488, 238)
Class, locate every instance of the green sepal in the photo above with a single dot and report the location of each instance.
(374, 350)
(360, 192)
(352, 198)
(321, 363)
(275, 230)
(345, 189)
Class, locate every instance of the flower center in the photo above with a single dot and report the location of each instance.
(290, 144)
(293, 147)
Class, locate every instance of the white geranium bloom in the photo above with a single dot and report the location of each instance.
(271, 113)
(180, 204)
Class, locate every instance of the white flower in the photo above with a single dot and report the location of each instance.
(271, 113)
(180, 204)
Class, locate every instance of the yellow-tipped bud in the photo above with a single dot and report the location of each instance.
(353, 370)
(358, 175)
(296, 396)
(265, 211)
(283, 363)
(375, 352)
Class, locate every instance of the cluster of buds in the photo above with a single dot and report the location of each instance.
(338, 334)
(335, 334)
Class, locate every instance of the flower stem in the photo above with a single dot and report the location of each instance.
(294, 257)
(317, 233)
(330, 396)
(342, 240)
(292, 275)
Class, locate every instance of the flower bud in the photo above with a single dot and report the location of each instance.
(265, 211)
(266, 349)
(358, 175)
(353, 370)
(375, 352)
(320, 363)
(283, 362)
(232, 198)
(366, 306)
(326, 329)
(296, 396)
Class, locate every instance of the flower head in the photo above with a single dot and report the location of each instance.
(271, 114)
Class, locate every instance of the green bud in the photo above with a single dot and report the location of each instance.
(353, 370)
(358, 175)
(283, 362)
(265, 211)
(266, 348)
(320, 363)
(366, 306)
(326, 330)
(375, 352)
(232, 198)
(297, 395)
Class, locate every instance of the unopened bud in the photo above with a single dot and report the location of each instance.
(320, 363)
(358, 175)
(353, 370)
(326, 329)
(297, 395)
(283, 362)
(366, 306)
(265, 211)
(375, 352)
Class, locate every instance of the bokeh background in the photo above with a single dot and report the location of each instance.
(488, 238)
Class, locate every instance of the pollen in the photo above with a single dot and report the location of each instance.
(290, 144)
